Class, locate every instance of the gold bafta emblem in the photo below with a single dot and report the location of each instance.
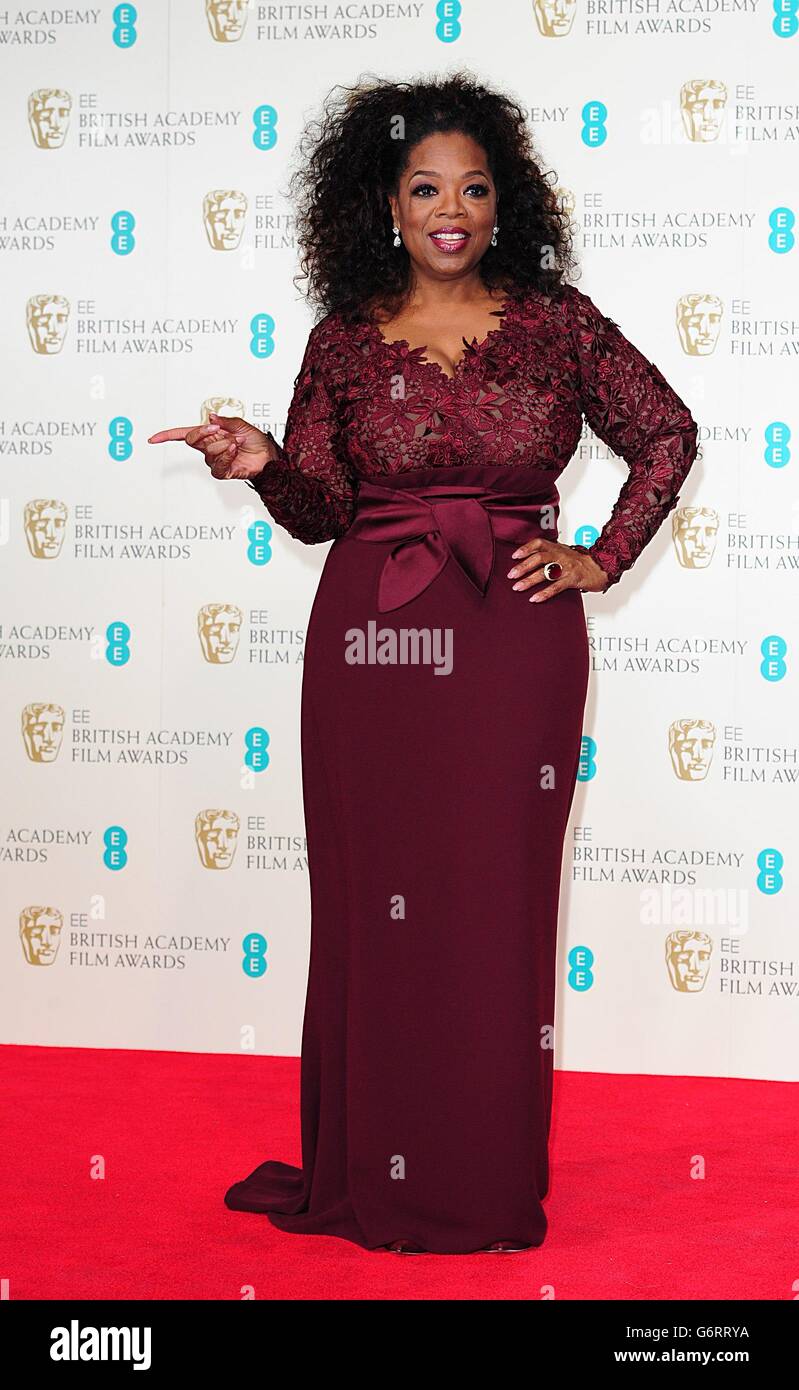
(45, 523)
(688, 959)
(47, 316)
(691, 748)
(699, 323)
(48, 117)
(40, 934)
(219, 625)
(565, 200)
(42, 731)
(702, 103)
(226, 19)
(216, 833)
(221, 405)
(554, 17)
(224, 215)
(694, 531)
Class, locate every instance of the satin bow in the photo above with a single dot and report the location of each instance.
(441, 513)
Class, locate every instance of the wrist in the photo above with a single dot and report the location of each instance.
(608, 578)
(265, 471)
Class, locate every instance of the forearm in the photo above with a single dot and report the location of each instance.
(631, 406)
(304, 505)
(647, 497)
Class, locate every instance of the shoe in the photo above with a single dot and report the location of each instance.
(502, 1247)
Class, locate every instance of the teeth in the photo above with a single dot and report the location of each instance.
(449, 236)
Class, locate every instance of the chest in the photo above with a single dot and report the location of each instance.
(443, 338)
(510, 397)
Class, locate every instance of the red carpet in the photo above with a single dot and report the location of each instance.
(173, 1130)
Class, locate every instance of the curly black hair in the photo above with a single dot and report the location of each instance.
(350, 159)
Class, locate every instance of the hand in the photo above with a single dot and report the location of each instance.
(232, 447)
(579, 571)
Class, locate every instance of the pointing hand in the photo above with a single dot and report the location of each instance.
(232, 447)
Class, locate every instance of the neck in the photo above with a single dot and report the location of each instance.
(426, 291)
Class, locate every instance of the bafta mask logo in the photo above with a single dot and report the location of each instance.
(554, 17)
(691, 744)
(48, 117)
(47, 316)
(221, 405)
(219, 626)
(694, 531)
(40, 934)
(42, 731)
(702, 103)
(224, 215)
(45, 524)
(699, 323)
(565, 200)
(216, 833)
(688, 959)
(226, 19)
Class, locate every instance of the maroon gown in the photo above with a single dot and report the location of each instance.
(439, 772)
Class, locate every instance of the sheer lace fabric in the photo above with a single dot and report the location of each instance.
(363, 406)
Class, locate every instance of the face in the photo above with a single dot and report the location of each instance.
(446, 205)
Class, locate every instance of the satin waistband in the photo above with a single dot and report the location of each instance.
(434, 514)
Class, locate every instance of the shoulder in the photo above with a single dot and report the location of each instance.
(590, 327)
(329, 345)
(563, 303)
(327, 333)
(564, 311)
(575, 307)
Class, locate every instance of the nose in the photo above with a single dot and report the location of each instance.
(451, 204)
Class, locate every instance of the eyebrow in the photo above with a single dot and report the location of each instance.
(434, 174)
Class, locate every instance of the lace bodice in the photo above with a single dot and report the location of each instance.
(364, 406)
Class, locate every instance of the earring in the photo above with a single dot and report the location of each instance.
(397, 237)
(494, 236)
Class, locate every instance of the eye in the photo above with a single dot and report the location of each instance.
(425, 190)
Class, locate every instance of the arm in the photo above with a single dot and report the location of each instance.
(307, 485)
(631, 407)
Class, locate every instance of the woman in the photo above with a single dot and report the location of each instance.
(440, 396)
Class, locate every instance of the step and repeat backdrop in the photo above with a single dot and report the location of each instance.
(154, 874)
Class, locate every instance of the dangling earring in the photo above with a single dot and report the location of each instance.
(397, 237)
(494, 237)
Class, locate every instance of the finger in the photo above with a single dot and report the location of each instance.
(232, 424)
(525, 566)
(555, 586)
(201, 435)
(220, 465)
(530, 547)
(534, 577)
(179, 433)
(220, 445)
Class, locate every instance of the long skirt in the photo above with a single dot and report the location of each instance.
(438, 778)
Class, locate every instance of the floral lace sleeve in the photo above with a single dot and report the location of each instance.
(631, 407)
(308, 488)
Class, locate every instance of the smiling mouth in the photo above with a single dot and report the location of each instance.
(450, 239)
